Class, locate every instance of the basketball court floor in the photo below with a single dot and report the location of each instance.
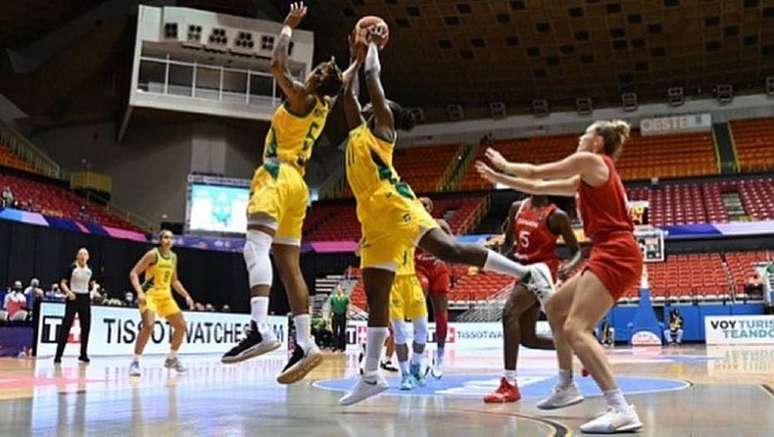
(678, 391)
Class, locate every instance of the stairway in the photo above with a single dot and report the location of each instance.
(733, 204)
(724, 148)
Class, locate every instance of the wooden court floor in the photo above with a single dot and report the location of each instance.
(677, 391)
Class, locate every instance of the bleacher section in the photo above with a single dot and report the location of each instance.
(663, 156)
(339, 222)
(421, 167)
(703, 277)
(754, 143)
(56, 201)
(702, 202)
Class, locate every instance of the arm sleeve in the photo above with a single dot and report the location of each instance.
(67, 273)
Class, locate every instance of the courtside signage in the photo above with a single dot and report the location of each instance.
(115, 329)
(739, 329)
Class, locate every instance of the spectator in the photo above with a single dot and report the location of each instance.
(55, 293)
(96, 293)
(15, 303)
(129, 299)
(7, 199)
(322, 335)
(209, 308)
(225, 309)
(198, 307)
(34, 289)
(675, 332)
(754, 285)
(339, 309)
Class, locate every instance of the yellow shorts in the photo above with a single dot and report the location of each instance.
(390, 224)
(407, 300)
(279, 191)
(160, 302)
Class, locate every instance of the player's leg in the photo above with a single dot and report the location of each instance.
(445, 247)
(400, 334)
(378, 282)
(146, 329)
(177, 322)
(557, 308)
(519, 302)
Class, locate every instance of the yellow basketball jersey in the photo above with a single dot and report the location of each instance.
(369, 166)
(159, 275)
(291, 137)
(406, 267)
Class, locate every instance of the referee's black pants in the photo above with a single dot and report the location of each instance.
(340, 331)
(81, 305)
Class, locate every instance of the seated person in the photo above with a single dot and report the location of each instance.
(674, 333)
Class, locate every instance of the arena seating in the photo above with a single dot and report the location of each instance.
(421, 167)
(741, 265)
(663, 156)
(53, 200)
(754, 142)
(702, 202)
(338, 222)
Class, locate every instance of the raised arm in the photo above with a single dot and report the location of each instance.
(558, 187)
(297, 98)
(560, 225)
(589, 166)
(351, 85)
(385, 124)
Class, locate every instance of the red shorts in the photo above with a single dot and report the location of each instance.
(435, 278)
(617, 262)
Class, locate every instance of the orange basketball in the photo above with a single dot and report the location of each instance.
(371, 21)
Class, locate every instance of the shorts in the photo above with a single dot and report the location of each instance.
(435, 278)
(617, 262)
(407, 301)
(390, 223)
(279, 191)
(160, 302)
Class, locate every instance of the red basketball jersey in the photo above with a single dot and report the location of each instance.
(604, 209)
(535, 243)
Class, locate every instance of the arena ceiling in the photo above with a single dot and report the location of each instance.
(473, 52)
(468, 52)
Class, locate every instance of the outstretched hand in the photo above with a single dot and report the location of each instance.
(486, 172)
(358, 45)
(496, 158)
(377, 35)
(296, 14)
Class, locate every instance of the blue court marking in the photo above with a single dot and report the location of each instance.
(476, 386)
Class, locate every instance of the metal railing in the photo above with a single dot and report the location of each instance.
(28, 152)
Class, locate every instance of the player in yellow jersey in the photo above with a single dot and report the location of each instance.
(407, 301)
(154, 296)
(277, 206)
(391, 216)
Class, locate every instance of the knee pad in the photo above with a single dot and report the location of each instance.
(420, 330)
(399, 332)
(256, 253)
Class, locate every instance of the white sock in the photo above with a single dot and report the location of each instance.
(303, 331)
(500, 264)
(615, 399)
(510, 376)
(259, 310)
(565, 378)
(416, 358)
(375, 337)
(137, 357)
(172, 355)
(404, 367)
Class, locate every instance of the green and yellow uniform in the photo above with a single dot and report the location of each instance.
(407, 300)
(158, 286)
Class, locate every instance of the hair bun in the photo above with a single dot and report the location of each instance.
(622, 128)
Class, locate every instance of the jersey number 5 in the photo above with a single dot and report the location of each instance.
(524, 239)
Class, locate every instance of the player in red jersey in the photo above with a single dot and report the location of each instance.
(435, 277)
(531, 231)
(615, 263)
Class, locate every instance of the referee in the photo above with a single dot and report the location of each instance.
(339, 308)
(75, 284)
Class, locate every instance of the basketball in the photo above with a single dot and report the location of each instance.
(370, 21)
